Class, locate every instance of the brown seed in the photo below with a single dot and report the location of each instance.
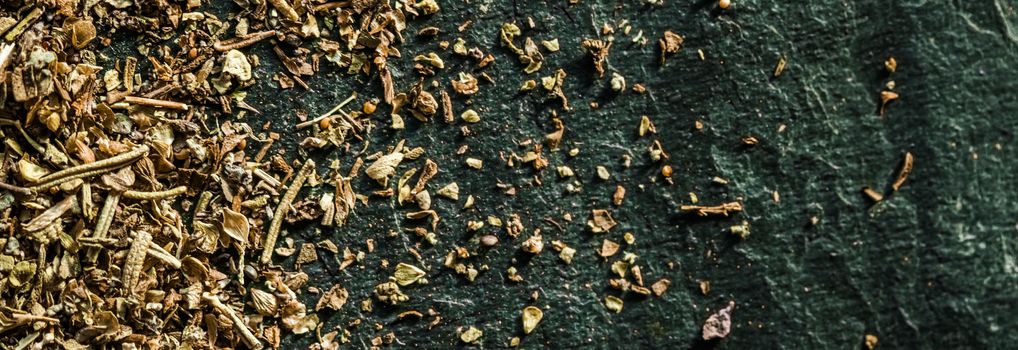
(369, 107)
(724, 4)
(325, 123)
(242, 144)
(666, 171)
(489, 240)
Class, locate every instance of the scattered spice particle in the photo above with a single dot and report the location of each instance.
(891, 65)
(872, 194)
(780, 67)
(903, 172)
(613, 303)
(871, 340)
(719, 324)
(660, 287)
(532, 316)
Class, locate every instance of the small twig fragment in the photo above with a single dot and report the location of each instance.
(906, 168)
(144, 101)
(721, 209)
(282, 208)
(238, 323)
(242, 42)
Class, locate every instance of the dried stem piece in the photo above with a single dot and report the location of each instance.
(90, 169)
(151, 196)
(242, 42)
(238, 323)
(16, 189)
(106, 215)
(144, 101)
(155, 251)
(334, 110)
(282, 208)
(722, 209)
(906, 168)
(285, 10)
(15, 32)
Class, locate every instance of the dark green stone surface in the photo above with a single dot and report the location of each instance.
(933, 266)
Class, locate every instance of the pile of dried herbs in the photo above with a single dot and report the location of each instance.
(139, 210)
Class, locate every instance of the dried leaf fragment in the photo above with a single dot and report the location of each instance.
(721, 209)
(451, 191)
(660, 286)
(608, 248)
(600, 221)
(613, 303)
(334, 299)
(471, 335)
(719, 324)
(384, 167)
(264, 302)
(532, 315)
(236, 226)
(670, 44)
(407, 274)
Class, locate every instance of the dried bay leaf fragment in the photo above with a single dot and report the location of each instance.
(532, 315)
(82, 33)
(307, 254)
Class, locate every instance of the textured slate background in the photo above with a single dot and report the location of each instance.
(931, 267)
